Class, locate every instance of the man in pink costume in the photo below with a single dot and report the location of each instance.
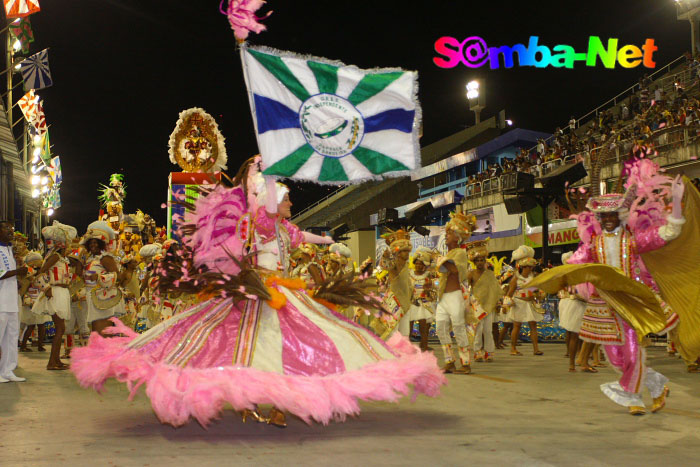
(618, 246)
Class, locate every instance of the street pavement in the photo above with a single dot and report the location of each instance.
(526, 410)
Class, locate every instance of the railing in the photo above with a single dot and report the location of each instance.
(663, 140)
(322, 200)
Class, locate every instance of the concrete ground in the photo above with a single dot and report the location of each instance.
(515, 411)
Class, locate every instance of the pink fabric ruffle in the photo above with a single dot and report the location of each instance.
(177, 393)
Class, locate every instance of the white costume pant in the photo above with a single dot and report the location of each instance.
(450, 313)
(484, 335)
(9, 334)
(78, 318)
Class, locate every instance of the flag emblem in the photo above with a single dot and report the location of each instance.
(327, 122)
(35, 71)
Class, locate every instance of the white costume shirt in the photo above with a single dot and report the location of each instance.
(8, 287)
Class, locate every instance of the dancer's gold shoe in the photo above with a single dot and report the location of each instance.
(637, 410)
(449, 368)
(660, 402)
(253, 414)
(277, 418)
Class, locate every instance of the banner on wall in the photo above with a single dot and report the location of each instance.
(561, 233)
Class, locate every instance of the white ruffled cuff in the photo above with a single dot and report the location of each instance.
(672, 228)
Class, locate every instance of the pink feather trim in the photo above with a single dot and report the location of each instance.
(180, 393)
(241, 16)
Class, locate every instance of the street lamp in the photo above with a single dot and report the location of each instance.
(476, 99)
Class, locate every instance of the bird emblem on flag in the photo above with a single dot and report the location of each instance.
(327, 122)
(35, 71)
(21, 8)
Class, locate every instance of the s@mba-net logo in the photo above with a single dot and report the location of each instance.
(473, 52)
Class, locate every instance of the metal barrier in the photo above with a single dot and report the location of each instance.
(663, 140)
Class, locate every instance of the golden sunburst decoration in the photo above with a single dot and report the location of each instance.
(196, 144)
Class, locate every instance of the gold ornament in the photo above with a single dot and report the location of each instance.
(196, 144)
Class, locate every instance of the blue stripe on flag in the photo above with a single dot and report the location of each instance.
(273, 115)
(394, 119)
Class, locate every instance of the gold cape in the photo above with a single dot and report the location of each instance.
(676, 270)
(460, 259)
(632, 300)
(487, 291)
(402, 288)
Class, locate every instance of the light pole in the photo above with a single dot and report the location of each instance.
(476, 99)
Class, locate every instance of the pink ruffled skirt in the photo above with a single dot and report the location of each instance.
(304, 359)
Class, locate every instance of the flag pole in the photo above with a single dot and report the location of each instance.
(246, 78)
(5, 94)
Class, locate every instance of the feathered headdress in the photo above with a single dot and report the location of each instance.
(116, 180)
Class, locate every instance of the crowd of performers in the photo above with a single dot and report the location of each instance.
(81, 282)
(269, 315)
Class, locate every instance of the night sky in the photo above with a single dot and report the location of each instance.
(124, 69)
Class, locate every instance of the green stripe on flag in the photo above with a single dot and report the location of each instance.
(288, 165)
(326, 76)
(376, 162)
(281, 71)
(332, 171)
(372, 84)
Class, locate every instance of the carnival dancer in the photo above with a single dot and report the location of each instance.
(131, 290)
(104, 299)
(77, 325)
(617, 238)
(243, 346)
(337, 259)
(452, 308)
(307, 268)
(617, 246)
(35, 285)
(9, 305)
(521, 299)
(55, 300)
(504, 278)
(485, 295)
(424, 295)
(399, 289)
(572, 306)
(149, 309)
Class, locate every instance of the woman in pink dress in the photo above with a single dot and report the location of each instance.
(243, 346)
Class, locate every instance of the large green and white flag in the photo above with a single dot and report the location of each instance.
(326, 122)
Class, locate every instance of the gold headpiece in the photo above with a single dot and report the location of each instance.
(398, 240)
(423, 255)
(478, 249)
(461, 224)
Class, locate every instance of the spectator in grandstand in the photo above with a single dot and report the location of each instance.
(625, 112)
(540, 147)
(572, 124)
